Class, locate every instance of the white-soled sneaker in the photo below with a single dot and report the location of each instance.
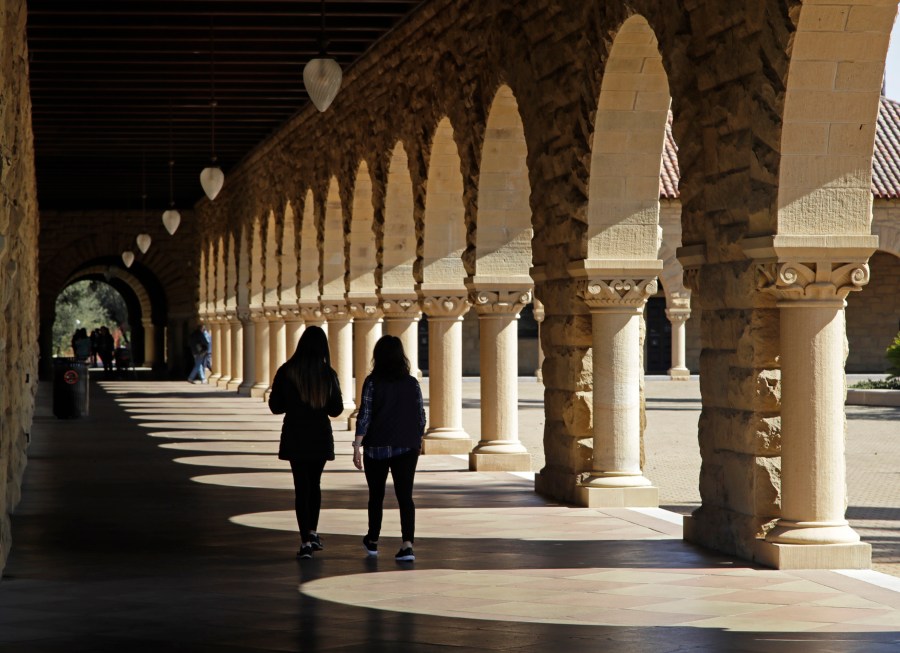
(405, 555)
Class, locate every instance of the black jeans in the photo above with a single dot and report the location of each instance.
(403, 471)
(307, 494)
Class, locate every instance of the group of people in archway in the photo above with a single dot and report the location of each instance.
(109, 349)
(389, 430)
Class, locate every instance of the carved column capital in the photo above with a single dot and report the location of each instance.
(445, 306)
(335, 311)
(273, 313)
(243, 315)
(401, 308)
(257, 314)
(618, 294)
(365, 309)
(500, 302)
(678, 315)
(818, 281)
(311, 312)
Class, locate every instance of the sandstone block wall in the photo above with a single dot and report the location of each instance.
(873, 316)
(18, 263)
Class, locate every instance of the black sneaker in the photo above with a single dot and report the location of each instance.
(305, 552)
(370, 546)
(405, 555)
(316, 542)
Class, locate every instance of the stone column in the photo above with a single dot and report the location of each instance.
(149, 342)
(677, 317)
(813, 530)
(539, 318)
(261, 354)
(445, 434)
(499, 448)
(340, 342)
(224, 351)
(401, 319)
(238, 330)
(293, 329)
(616, 479)
(366, 332)
(277, 345)
(248, 351)
(215, 328)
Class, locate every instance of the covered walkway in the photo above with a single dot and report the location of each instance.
(164, 522)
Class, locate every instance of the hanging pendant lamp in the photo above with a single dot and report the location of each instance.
(211, 177)
(143, 239)
(171, 218)
(322, 75)
(127, 258)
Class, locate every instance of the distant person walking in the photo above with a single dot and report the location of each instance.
(105, 348)
(389, 429)
(198, 346)
(81, 345)
(306, 391)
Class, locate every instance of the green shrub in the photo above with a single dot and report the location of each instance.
(893, 356)
(892, 383)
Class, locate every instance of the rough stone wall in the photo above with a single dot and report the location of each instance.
(873, 316)
(18, 263)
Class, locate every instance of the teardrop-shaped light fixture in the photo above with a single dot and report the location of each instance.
(212, 179)
(143, 242)
(322, 79)
(127, 258)
(171, 219)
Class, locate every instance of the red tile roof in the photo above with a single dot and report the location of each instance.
(885, 163)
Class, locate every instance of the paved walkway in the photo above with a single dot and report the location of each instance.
(164, 522)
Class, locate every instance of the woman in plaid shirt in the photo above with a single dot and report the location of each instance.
(389, 430)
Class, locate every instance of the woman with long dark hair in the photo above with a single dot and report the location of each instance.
(307, 391)
(389, 429)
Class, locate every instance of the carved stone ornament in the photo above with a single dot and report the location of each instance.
(335, 312)
(258, 315)
(618, 293)
(311, 313)
(500, 302)
(819, 281)
(678, 315)
(445, 306)
(243, 315)
(362, 310)
(401, 308)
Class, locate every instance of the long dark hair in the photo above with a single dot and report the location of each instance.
(388, 360)
(310, 367)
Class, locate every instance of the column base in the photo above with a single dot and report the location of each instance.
(814, 556)
(679, 374)
(619, 497)
(244, 389)
(446, 446)
(267, 393)
(223, 382)
(234, 384)
(258, 389)
(214, 379)
(499, 462)
(351, 420)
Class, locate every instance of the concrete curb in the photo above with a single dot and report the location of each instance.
(873, 397)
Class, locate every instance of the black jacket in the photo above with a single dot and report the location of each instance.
(395, 416)
(306, 433)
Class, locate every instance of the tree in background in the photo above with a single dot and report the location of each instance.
(87, 305)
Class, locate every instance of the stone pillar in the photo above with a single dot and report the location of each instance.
(249, 348)
(445, 434)
(293, 329)
(215, 328)
(401, 319)
(277, 345)
(149, 342)
(238, 329)
(616, 479)
(340, 342)
(813, 530)
(261, 354)
(366, 332)
(224, 351)
(499, 448)
(677, 317)
(539, 318)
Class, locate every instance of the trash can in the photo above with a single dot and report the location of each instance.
(70, 388)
